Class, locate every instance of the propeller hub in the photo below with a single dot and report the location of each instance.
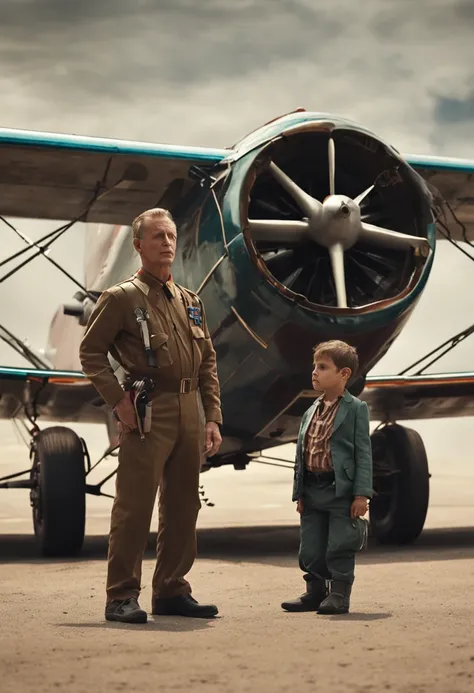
(337, 221)
(345, 211)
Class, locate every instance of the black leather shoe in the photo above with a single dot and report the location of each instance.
(182, 605)
(338, 601)
(316, 591)
(125, 611)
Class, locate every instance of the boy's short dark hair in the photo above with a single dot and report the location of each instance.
(344, 355)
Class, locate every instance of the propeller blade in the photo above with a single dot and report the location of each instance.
(290, 280)
(332, 166)
(372, 216)
(363, 195)
(307, 203)
(278, 230)
(391, 239)
(336, 253)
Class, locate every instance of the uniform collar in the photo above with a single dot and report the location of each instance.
(155, 283)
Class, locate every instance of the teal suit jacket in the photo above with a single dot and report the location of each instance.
(351, 449)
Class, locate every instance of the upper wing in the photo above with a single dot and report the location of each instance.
(453, 182)
(66, 177)
(56, 176)
(398, 397)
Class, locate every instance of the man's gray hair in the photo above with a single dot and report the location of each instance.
(155, 213)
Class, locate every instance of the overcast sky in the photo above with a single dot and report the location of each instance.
(207, 72)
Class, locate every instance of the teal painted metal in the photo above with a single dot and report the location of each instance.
(211, 154)
(23, 373)
(401, 379)
(291, 120)
(440, 163)
(30, 138)
(250, 280)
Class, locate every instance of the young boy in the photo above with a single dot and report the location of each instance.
(333, 482)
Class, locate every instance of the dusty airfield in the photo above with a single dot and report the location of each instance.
(411, 627)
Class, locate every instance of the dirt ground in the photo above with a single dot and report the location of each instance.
(411, 627)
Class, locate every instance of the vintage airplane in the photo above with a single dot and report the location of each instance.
(307, 229)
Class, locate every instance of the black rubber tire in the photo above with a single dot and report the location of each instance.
(401, 520)
(60, 514)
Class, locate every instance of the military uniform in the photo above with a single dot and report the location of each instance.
(169, 456)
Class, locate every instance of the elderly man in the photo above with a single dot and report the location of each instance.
(155, 329)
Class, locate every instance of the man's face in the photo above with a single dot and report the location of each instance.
(158, 243)
(326, 375)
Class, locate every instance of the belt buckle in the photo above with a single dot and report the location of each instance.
(185, 386)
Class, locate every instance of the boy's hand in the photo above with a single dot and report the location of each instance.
(299, 506)
(359, 506)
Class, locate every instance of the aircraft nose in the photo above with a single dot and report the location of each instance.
(326, 229)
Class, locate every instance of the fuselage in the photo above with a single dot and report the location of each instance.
(268, 302)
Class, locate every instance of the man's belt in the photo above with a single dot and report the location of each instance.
(183, 386)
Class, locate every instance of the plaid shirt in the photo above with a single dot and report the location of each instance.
(317, 445)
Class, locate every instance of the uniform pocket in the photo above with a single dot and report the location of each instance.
(197, 332)
(159, 344)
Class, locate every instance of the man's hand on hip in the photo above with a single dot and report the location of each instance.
(213, 439)
(126, 414)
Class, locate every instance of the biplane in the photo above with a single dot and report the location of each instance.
(309, 228)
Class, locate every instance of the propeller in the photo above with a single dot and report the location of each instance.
(335, 224)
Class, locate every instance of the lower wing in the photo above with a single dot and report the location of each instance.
(395, 398)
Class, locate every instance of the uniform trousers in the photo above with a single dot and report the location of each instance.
(168, 459)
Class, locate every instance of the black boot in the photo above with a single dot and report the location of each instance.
(316, 591)
(182, 605)
(125, 611)
(338, 601)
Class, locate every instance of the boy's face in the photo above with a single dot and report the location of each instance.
(327, 377)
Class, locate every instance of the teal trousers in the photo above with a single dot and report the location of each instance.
(329, 537)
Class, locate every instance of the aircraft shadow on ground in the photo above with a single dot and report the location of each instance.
(275, 545)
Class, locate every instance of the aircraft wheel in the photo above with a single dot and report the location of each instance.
(58, 496)
(398, 511)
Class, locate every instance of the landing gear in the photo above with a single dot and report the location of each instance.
(401, 481)
(58, 491)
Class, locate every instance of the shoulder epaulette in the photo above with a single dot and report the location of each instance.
(193, 295)
(119, 288)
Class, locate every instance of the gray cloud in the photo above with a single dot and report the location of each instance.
(455, 110)
(205, 73)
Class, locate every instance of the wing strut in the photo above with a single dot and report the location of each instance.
(21, 348)
(42, 250)
(43, 246)
(449, 344)
(53, 236)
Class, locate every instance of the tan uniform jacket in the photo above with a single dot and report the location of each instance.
(182, 349)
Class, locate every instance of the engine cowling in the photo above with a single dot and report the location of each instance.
(335, 218)
(325, 232)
